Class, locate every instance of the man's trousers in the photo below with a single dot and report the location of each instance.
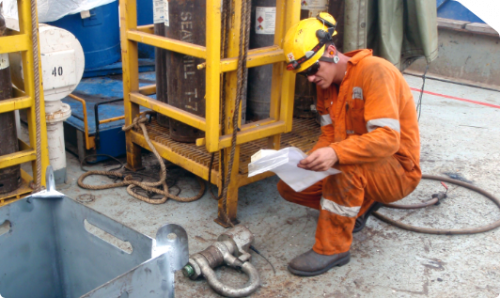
(343, 197)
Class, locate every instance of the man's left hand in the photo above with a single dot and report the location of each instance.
(320, 160)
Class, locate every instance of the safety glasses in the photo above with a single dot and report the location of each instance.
(312, 70)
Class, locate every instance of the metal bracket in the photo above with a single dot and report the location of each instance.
(50, 193)
(155, 277)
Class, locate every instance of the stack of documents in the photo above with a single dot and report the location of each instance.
(284, 164)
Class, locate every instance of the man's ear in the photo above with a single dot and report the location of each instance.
(331, 51)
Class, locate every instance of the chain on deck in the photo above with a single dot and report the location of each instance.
(304, 135)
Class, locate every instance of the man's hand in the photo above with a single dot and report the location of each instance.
(320, 160)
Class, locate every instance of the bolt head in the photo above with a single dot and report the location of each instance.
(188, 271)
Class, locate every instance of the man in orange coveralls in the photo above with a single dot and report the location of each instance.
(369, 132)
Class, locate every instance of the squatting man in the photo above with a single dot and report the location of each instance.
(369, 132)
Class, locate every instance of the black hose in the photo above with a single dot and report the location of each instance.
(95, 155)
(434, 201)
(258, 252)
(468, 231)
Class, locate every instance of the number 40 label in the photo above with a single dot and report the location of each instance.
(57, 71)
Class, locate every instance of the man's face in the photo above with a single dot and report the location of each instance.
(324, 77)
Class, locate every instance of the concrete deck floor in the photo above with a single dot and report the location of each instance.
(457, 137)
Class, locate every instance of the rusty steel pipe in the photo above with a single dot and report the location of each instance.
(185, 83)
(160, 62)
(10, 178)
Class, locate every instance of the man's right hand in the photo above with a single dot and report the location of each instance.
(320, 160)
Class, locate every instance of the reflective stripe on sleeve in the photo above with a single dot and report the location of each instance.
(333, 207)
(382, 122)
(325, 120)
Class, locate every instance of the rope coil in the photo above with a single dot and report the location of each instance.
(158, 187)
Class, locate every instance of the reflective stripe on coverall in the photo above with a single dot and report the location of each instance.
(373, 129)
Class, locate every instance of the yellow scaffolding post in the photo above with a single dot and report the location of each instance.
(25, 99)
(252, 136)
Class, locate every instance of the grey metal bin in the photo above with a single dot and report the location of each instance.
(47, 252)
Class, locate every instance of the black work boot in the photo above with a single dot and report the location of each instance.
(361, 221)
(312, 263)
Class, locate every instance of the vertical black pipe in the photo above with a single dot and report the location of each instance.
(10, 178)
(185, 83)
(160, 59)
(260, 78)
(336, 9)
(305, 92)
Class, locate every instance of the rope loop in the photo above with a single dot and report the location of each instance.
(158, 187)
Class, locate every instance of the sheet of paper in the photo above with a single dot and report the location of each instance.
(486, 10)
(284, 164)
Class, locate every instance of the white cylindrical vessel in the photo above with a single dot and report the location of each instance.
(55, 138)
(63, 63)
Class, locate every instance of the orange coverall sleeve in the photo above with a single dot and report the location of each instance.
(324, 140)
(381, 88)
(327, 130)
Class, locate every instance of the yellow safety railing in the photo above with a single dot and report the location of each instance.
(281, 103)
(25, 99)
(288, 12)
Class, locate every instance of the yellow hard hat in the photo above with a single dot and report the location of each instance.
(305, 41)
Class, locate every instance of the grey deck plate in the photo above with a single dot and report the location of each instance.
(456, 137)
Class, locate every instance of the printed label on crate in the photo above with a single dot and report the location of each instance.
(321, 5)
(165, 6)
(265, 20)
(159, 11)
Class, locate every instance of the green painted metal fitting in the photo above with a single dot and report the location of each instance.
(188, 270)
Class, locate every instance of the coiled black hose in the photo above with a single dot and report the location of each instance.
(424, 230)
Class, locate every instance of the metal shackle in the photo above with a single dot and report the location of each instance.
(230, 249)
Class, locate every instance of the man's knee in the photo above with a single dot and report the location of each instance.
(285, 191)
(309, 197)
(345, 188)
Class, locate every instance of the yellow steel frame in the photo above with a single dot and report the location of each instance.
(22, 42)
(280, 121)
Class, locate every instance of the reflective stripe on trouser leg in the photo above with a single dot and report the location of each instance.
(339, 209)
(343, 195)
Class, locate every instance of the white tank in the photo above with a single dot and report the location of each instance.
(62, 63)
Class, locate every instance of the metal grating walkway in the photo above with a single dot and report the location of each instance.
(304, 135)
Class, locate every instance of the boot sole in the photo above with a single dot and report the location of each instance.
(338, 263)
